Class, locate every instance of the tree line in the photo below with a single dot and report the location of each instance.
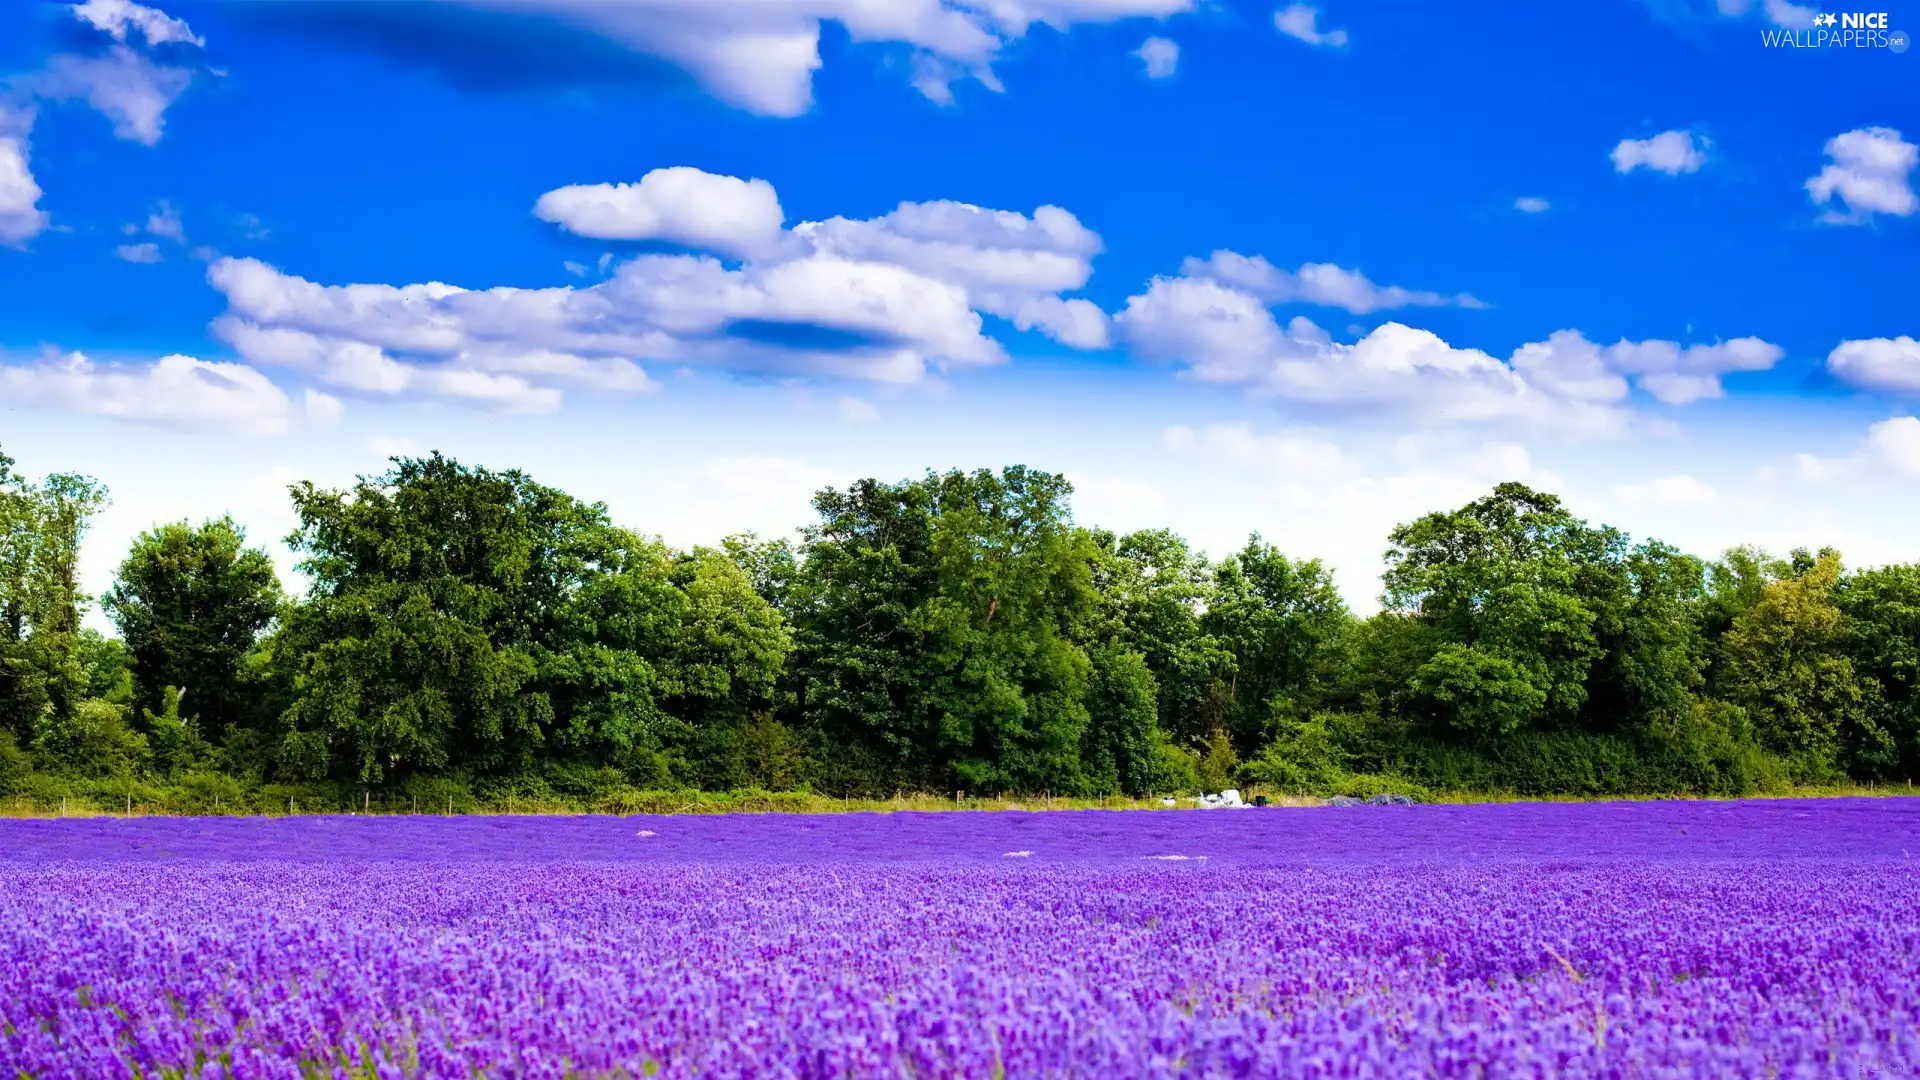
(955, 632)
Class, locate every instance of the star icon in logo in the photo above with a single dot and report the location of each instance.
(1828, 20)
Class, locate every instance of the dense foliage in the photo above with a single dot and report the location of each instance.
(1766, 938)
(461, 629)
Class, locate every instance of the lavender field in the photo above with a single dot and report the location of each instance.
(1761, 939)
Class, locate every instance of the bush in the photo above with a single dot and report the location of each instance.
(94, 741)
(1302, 758)
(1176, 769)
(1214, 771)
(15, 764)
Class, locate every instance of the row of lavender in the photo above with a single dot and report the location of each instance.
(1655, 940)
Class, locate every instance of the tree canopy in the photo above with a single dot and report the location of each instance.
(958, 631)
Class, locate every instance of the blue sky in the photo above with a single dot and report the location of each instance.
(1306, 270)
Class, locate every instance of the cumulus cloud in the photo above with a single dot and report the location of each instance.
(1868, 174)
(681, 205)
(164, 222)
(1670, 152)
(1890, 451)
(178, 392)
(884, 299)
(1159, 57)
(139, 253)
(121, 82)
(21, 218)
(1302, 21)
(1680, 376)
(1884, 365)
(121, 85)
(762, 56)
(119, 17)
(1008, 264)
(1530, 204)
(1225, 333)
(1314, 283)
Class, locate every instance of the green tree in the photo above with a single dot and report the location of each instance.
(1655, 651)
(1288, 632)
(1153, 590)
(1514, 588)
(938, 623)
(1785, 662)
(42, 675)
(190, 602)
(472, 621)
(1121, 748)
(1882, 641)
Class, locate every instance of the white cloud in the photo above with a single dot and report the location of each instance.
(1682, 490)
(762, 56)
(139, 253)
(121, 85)
(682, 205)
(21, 218)
(1314, 283)
(1670, 152)
(1159, 57)
(1530, 204)
(164, 222)
(1890, 451)
(1009, 264)
(1680, 376)
(1227, 335)
(117, 17)
(883, 299)
(178, 392)
(1886, 365)
(1869, 174)
(1302, 21)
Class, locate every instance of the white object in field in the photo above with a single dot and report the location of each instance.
(1169, 801)
(1018, 855)
(1226, 800)
(645, 832)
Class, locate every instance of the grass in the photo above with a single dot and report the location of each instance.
(761, 802)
